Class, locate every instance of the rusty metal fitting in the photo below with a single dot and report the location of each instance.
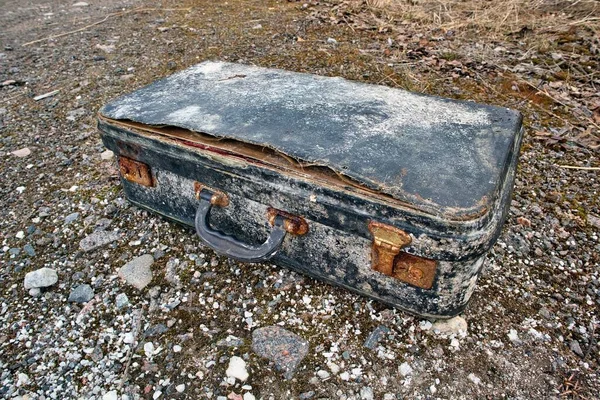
(135, 171)
(219, 198)
(293, 224)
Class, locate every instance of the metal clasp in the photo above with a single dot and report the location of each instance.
(387, 259)
(135, 171)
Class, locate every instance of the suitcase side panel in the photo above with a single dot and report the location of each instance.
(325, 253)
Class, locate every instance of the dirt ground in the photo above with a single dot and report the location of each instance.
(532, 323)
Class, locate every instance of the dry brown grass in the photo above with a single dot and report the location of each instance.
(493, 15)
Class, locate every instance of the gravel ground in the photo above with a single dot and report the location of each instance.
(101, 300)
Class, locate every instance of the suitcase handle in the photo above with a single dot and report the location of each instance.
(228, 245)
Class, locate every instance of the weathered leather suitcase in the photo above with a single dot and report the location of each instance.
(394, 195)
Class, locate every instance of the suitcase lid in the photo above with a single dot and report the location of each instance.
(445, 157)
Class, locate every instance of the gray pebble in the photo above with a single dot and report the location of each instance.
(306, 395)
(576, 348)
(81, 294)
(284, 348)
(28, 248)
(42, 277)
(137, 272)
(366, 393)
(98, 239)
(375, 337)
(122, 300)
(69, 219)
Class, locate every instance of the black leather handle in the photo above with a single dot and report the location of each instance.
(228, 245)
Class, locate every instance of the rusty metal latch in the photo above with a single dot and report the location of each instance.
(135, 171)
(387, 258)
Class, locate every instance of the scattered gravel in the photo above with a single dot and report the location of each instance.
(531, 331)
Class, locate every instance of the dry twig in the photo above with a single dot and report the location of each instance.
(137, 324)
(116, 14)
(578, 167)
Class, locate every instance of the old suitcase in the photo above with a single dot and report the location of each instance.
(394, 195)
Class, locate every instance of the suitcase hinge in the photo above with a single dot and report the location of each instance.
(135, 171)
(386, 257)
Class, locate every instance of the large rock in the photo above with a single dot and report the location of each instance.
(137, 272)
(98, 239)
(40, 278)
(284, 348)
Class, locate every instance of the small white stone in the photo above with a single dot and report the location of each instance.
(128, 338)
(432, 389)
(345, 376)
(366, 393)
(249, 396)
(323, 374)
(20, 235)
(474, 378)
(237, 368)
(333, 367)
(513, 336)
(405, 369)
(107, 155)
(81, 4)
(180, 388)
(149, 349)
(112, 395)
(157, 394)
(177, 348)
(22, 380)
(452, 326)
(425, 325)
(455, 343)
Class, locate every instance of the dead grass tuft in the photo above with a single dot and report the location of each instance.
(498, 16)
